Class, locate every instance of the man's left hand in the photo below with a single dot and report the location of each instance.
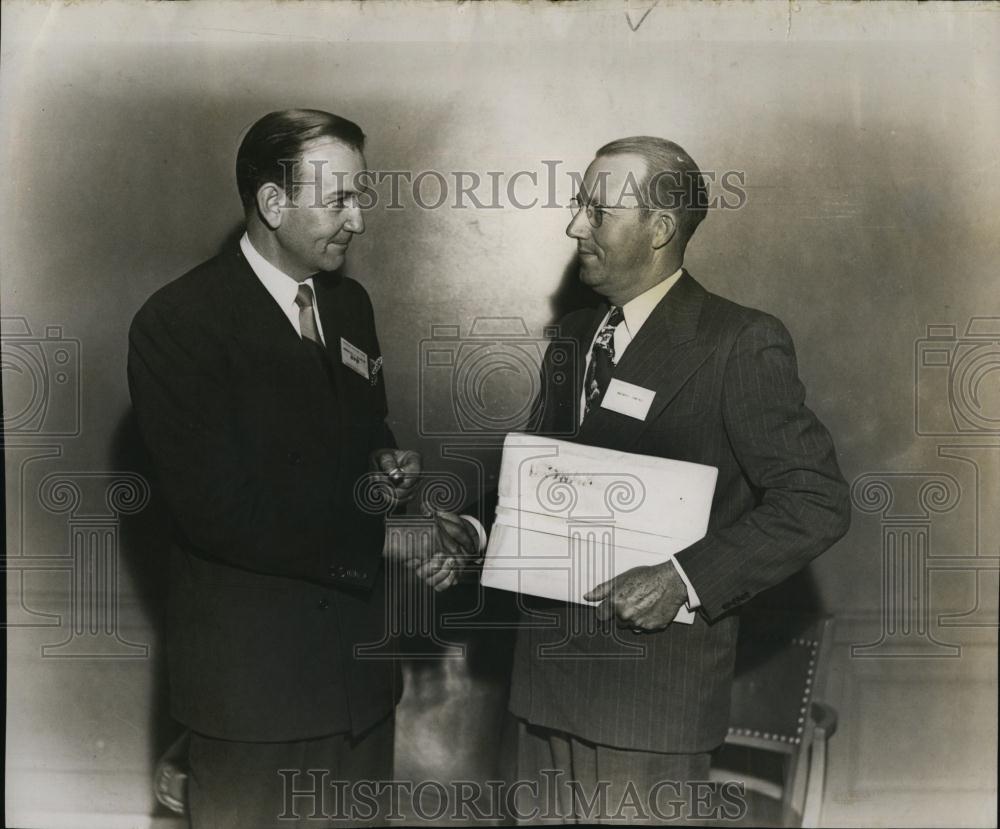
(456, 543)
(643, 598)
(400, 468)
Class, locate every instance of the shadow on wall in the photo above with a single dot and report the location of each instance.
(571, 294)
(145, 545)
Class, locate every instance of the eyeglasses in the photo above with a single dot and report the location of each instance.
(596, 212)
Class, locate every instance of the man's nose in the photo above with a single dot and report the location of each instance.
(579, 226)
(355, 220)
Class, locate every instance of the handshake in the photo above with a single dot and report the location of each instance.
(456, 541)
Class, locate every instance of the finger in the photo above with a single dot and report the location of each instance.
(449, 519)
(404, 478)
(432, 565)
(456, 534)
(602, 591)
(415, 559)
(460, 531)
(451, 578)
(384, 460)
(605, 611)
(410, 461)
(644, 603)
(625, 611)
(402, 494)
(447, 569)
(629, 589)
(650, 624)
(448, 544)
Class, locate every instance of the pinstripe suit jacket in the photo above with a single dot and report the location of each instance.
(727, 393)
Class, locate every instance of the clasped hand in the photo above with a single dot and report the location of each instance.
(399, 471)
(455, 543)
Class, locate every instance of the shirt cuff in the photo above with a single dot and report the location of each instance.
(479, 530)
(693, 602)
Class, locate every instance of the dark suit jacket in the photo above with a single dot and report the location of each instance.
(727, 395)
(257, 446)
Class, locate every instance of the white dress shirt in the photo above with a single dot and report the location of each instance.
(280, 286)
(636, 313)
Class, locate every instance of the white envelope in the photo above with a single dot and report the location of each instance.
(571, 516)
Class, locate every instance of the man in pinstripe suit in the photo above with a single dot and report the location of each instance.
(623, 700)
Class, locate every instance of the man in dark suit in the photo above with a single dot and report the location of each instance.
(713, 383)
(257, 385)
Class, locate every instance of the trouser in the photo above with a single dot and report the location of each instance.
(563, 779)
(305, 783)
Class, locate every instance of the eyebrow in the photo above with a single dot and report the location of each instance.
(340, 194)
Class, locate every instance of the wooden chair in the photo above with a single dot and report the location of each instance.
(777, 741)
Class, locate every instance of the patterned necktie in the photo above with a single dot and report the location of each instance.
(307, 315)
(602, 360)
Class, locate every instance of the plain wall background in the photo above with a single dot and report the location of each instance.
(867, 136)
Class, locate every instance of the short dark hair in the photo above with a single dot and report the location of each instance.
(283, 136)
(672, 181)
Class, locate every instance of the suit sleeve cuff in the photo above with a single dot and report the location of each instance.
(693, 602)
(479, 531)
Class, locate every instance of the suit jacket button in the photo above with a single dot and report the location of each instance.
(324, 604)
(294, 458)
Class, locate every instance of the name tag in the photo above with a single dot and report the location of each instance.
(628, 399)
(354, 358)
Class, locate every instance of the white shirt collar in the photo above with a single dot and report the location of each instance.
(278, 283)
(637, 310)
(280, 286)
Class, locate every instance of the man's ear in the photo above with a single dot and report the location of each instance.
(270, 200)
(665, 229)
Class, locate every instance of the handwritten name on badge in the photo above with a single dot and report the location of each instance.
(628, 399)
(354, 358)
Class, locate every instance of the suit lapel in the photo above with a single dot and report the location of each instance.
(662, 357)
(256, 314)
(562, 414)
(336, 320)
(337, 323)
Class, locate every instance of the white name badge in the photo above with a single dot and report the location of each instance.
(354, 358)
(628, 399)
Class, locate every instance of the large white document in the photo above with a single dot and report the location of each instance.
(570, 516)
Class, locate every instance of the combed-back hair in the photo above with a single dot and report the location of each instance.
(282, 137)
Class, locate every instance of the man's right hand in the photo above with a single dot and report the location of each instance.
(456, 543)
